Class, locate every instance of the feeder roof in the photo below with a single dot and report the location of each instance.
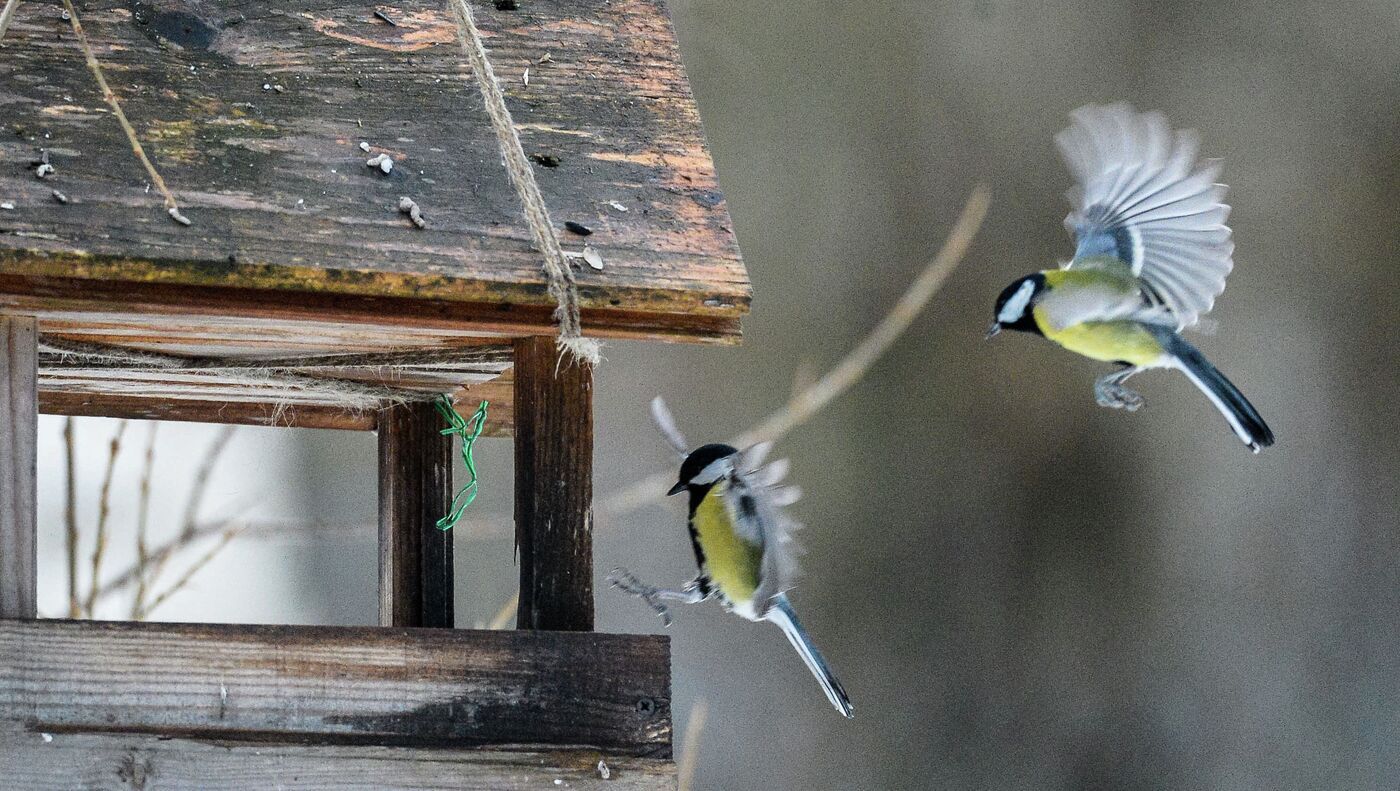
(262, 118)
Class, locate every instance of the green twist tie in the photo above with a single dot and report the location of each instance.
(469, 429)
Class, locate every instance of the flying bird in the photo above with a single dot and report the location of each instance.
(1151, 254)
(743, 542)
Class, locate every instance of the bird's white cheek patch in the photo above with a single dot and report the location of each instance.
(1016, 306)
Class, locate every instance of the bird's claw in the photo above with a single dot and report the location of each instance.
(1116, 396)
(625, 581)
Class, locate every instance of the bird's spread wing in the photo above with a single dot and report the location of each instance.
(756, 500)
(1142, 198)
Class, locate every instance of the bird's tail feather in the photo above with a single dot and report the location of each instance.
(781, 614)
(1242, 416)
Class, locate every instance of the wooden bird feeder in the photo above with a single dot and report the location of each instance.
(298, 279)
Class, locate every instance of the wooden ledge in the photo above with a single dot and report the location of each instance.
(337, 685)
(42, 762)
(36, 761)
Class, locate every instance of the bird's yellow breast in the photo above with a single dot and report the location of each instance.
(1110, 341)
(732, 563)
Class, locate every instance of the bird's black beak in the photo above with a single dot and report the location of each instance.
(993, 330)
(677, 489)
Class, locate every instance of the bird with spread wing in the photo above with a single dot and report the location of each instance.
(743, 542)
(1151, 255)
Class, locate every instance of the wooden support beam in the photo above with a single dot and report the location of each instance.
(553, 488)
(151, 405)
(415, 490)
(19, 415)
(42, 762)
(338, 685)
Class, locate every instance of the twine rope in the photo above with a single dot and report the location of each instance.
(562, 286)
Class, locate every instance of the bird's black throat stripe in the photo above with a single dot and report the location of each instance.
(697, 494)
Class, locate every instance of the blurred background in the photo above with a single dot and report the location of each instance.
(1021, 590)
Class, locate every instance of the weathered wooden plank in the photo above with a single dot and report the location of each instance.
(409, 317)
(553, 488)
(157, 402)
(415, 490)
(35, 761)
(254, 113)
(389, 686)
(19, 416)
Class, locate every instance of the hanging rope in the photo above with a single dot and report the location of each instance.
(562, 286)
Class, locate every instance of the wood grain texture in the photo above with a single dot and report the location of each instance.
(149, 763)
(553, 488)
(415, 490)
(276, 183)
(157, 403)
(348, 685)
(19, 417)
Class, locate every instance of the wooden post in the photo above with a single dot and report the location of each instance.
(415, 490)
(553, 487)
(19, 416)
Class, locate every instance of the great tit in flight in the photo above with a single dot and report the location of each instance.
(743, 542)
(1151, 254)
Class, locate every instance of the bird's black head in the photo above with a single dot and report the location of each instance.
(1013, 310)
(695, 470)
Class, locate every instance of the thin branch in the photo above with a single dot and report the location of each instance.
(143, 554)
(70, 517)
(810, 400)
(506, 613)
(171, 207)
(184, 579)
(104, 509)
(690, 748)
(163, 552)
(7, 14)
(188, 524)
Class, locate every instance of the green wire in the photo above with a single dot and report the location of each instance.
(469, 429)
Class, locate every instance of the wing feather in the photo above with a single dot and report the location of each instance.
(1141, 196)
(757, 508)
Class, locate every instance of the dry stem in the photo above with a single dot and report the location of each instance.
(104, 509)
(188, 524)
(143, 554)
(506, 612)
(7, 14)
(690, 748)
(70, 518)
(171, 207)
(184, 579)
(807, 402)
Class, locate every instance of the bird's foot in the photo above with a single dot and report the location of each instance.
(625, 581)
(1116, 396)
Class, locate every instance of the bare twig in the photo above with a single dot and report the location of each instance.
(165, 551)
(184, 579)
(171, 207)
(104, 509)
(506, 613)
(6, 14)
(143, 554)
(70, 518)
(804, 404)
(690, 748)
(188, 524)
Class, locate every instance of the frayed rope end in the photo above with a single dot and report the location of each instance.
(580, 349)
